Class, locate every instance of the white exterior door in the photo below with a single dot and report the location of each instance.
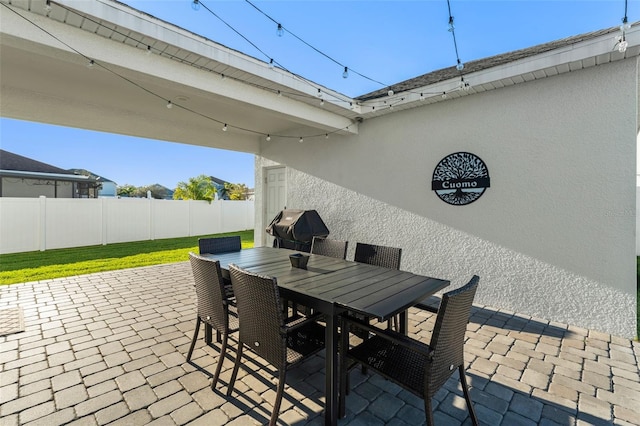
(276, 193)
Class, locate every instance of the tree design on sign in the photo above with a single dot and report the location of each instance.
(460, 178)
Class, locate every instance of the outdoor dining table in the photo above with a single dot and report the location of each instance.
(333, 286)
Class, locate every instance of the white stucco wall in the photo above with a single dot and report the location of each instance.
(553, 237)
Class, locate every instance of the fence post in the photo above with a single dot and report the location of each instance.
(104, 219)
(42, 232)
(152, 226)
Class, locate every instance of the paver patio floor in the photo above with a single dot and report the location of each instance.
(110, 348)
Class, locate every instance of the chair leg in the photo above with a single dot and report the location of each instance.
(467, 396)
(235, 369)
(278, 401)
(344, 368)
(428, 411)
(223, 351)
(193, 341)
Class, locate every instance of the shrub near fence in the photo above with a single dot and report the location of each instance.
(31, 224)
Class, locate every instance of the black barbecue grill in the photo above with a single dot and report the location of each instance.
(295, 229)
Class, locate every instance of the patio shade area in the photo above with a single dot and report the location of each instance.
(110, 348)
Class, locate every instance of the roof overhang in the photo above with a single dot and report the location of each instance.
(48, 176)
(44, 78)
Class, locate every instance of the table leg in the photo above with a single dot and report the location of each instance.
(404, 322)
(331, 370)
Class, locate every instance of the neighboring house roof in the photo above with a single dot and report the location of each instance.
(15, 165)
(84, 172)
(11, 161)
(218, 181)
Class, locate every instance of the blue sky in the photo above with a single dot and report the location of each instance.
(387, 41)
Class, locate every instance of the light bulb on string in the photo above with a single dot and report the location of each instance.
(622, 44)
(91, 64)
(195, 5)
(422, 96)
(225, 128)
(451, 26)
(459, 66)
(280, 30)
(319, 93)
(268, 138)
(326, 136)
(321, 102)
(444, 95)
(271, 63)
(148, 52)
(390, 92)
(169, 105)
(47, 6)
(345, 73)
(301, 140)
(625, 25)
(279, 93)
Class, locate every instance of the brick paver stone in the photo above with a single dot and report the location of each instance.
(109, 348)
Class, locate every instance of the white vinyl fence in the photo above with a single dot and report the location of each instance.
(31, 224)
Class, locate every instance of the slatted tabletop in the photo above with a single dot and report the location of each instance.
(371, 290)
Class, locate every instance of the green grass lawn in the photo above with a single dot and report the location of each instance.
(44, 265)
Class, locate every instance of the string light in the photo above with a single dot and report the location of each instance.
(444, 95)
(319, 93)
(169, 105)
(452, 30)
(271, 63)
(345, 73)
(321, 102)
(47, 6)
(326, 136)
(195, 5)
(622, 42)
(301, 140)
(224, 128)
(91, 64)
(390, 92)
(280, 30)
(148, 50)
(268, 138)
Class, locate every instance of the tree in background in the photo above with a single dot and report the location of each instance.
(126, 190)
(197, 188)
(236, 191)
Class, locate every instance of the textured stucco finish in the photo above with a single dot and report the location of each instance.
(553, 237)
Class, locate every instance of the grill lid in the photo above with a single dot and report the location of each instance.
(297, 225)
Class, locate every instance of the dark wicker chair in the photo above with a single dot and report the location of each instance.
(219, 244)
(263, 329)
(420, 368)
(387, 257)
(214, 308)
(329, 247)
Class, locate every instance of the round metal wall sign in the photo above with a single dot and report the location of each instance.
(460, 178)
